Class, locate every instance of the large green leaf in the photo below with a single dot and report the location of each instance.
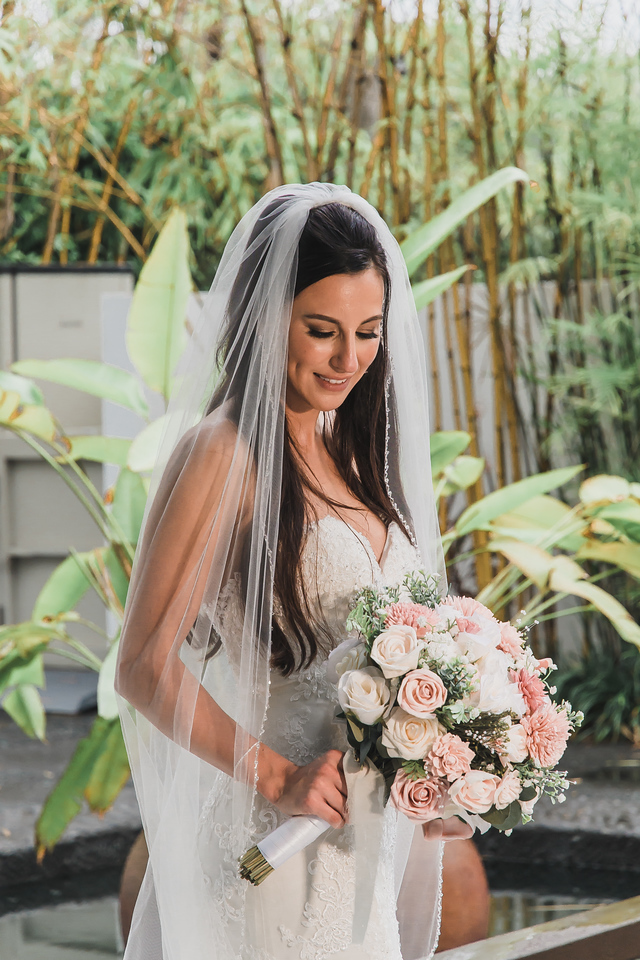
(129, 501)
(28, 636)
(110, 772)
(423, 241)
(89, 376)
(481, 513)
(117, 576)
(619, 617)
(24, 706)
(533, 520)
(623, 555)
(16, 670)
(625, 517)
(445, 446)
(533, 561)
(100, 449)
(26, 389)
(462, 474)
(426, 291)
(156, 332)
(107, 703)
(33, 418)
(65, 800)
(146, 446)
(63, 590)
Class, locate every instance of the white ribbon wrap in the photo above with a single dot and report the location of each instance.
(365, 805)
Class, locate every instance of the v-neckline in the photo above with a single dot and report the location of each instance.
(362, 537)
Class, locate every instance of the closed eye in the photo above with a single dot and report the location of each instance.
(325, 334)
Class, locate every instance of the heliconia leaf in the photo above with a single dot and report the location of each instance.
(63, 590)
(623, 555)
(604, 488)
(100, 449)
(107, 703)
(612, 609)
(16, 670)
(66, 798)
(110, 772)
(445, 446)
(24, 706)
(423, 241)
(533, 561)
(146, 447)
(26, 389)
(426, 291)
(156, 332)
(89, 376)
(129, 501)
(482, 512)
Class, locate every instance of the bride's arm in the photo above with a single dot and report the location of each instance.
(203, 500)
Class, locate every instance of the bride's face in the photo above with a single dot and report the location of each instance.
(334, 337)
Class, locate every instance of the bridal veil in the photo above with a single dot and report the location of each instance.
(196, 700)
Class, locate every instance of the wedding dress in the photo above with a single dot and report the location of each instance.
(304, 911)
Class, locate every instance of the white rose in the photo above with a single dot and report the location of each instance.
(496, 693)
(364, 693)
(441, 646)
(397, 650)
(409, 737)
(514, 745)
(348, 655)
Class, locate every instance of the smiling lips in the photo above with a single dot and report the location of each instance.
(330, 384)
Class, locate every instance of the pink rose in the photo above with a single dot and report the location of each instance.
(532, 689)
(547, 731)
(470, 608)
(419, 800)
(545, 664)
(508, 790)
(421, 693)
(510, 641)
(450, 757)
(414, 615)
(475, 791)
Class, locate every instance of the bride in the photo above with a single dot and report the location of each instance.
(294, 471)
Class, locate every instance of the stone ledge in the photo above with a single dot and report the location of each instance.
(610, 932)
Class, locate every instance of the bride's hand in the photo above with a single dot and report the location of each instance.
(318, 788)
(453, 828)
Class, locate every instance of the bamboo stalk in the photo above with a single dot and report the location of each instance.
(355, 53)
(329, 94)
(413, 42)
(387, 86)
(376, 147)
(298, 109)
(96, 236)
(272, 140)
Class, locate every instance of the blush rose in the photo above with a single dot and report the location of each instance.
(421, 693)
(396, 650)
(409, 737)
(450, 757)
(419, 800)
(475, 791)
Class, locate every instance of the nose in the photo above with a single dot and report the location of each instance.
(345, 359)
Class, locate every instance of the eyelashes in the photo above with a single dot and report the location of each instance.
(322, 335)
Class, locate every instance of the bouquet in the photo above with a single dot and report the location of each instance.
(452, 708)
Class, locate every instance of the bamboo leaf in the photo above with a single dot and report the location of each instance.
(420, 244)
(110, 771)
(426, 291)
(89, 376)
(446, 445)
(63, 590)
(156, 332)
(481, 513)
(100, 449)
(24, 706)
(65, 800)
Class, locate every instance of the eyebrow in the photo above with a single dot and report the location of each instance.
(321, 316)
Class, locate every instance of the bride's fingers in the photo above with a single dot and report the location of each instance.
(432, 830)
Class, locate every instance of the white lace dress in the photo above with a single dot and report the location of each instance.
(304, 910)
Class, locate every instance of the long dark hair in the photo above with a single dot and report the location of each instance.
(336, 239)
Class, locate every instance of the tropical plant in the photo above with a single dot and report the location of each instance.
(155, 338)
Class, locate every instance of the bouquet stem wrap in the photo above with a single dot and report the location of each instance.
(365, 804)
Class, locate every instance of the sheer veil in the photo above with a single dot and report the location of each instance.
(194, 697)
